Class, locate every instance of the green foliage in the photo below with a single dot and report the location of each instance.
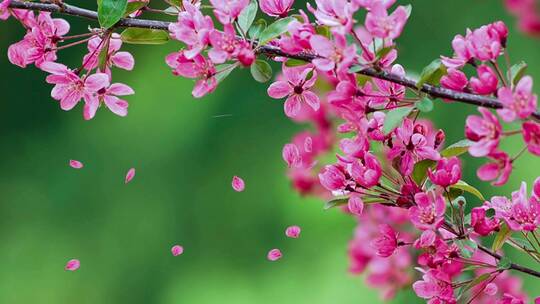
(224, 70)
(257, 28)
(517, 71)
(274, 30)
(501, 237)
(425, 105)
(336, 203)
(144, 36)
(261, 71)
(110, 12)
(247, 16)
(462, 185)
(432, 73)
(134, 6)
(394, 118)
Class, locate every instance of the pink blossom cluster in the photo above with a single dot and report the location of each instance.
(527, 13)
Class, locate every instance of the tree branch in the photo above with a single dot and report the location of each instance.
(433, 91)
(512, 265)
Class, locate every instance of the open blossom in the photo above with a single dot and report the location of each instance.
(336, 13)
(485, 43)
(487, 81)
(276, 8)
(300, 32)
(485, 131)
(382, 25)
(355, 204)
(367, 171)
(447, 172)
(108, 96)
(429, 210)
(531, 135)
(519, 104)
(336, 54)
(291, 155)
(296, 87)
(197, 67)
(412, 146)
(482, 224)
(520, 213)
(225, 45)
(293, 232)
(274, 255)
(123, 60)
(72, 265)
(333, 178)
(228, 10)
(70, 88)
(387, 243)
(498, 170)
(435, 286)
(192, 28)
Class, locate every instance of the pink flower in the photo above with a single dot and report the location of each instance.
(228, 10)
(123, 60)
(296, 88)
(4, 9)
(531, 135)
(276, 8)
(274, 255)
(129, 175)
(454, 80)
(429, 210)
(382, 25)
(308, 144)
(299, 36)
(500, 169)
(355, 204)
(367, 172)
(485, 43)
(238, 184)
(72, 265)
(368, 4)
(412, 146)
(536, 188)
(435, 286)
(225, 45)
(387, 243)
(192, 28)
(70, 88)
(332, 177)
(447, 172)
(75, 164)
(293, 232)
(108, 96)
(481, 224)
(336, 54)
(525, 213)
(519, 104)
(487, 81)
(336, 13)
(177, 250)
(485, 131)
(197, 67)
(291, 155)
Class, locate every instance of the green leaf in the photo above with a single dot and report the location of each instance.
(223, 70)
(275, 30)
(479, 279)
(110, 12)
(384, 51)
(295, 62)
(517, 71)
(425, 105)
(261, 71)
(336, 203)
(104, 54)
(356, 69)
(247, 16)
(464, 250)
(504, 263)
(501, 237)
(177, 3)
(394, 118)
(468, 188)
(408, 9)
(323, 30)
(134, 6)
(420, 170)
(144, 36)
(457, 148)
(257, 28)
(432, 73)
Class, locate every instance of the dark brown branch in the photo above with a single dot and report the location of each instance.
(433, 91)
(512, 265)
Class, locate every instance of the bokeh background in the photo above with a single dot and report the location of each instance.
(185, 158)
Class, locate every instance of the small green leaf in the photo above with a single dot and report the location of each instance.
(457, 148)
(257, 28)
(517, 71)
(356, 69)
(261, 71)
(420, 170)
(504, 263)
(468, 188)
(295, 62)
(223, 70)
(177, 3)
(501, 237)
(247, 16)
(323, 30)
(394, 118)
(384, 51)
(432, 73)
(275, 30)
(336, 203)
(144, 36)
(464, 250)
(110, 12)
(104, 54)
(134, 6)
(425, 105)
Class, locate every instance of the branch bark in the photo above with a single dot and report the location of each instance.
(431, 90)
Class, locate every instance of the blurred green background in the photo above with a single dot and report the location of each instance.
(185, 158)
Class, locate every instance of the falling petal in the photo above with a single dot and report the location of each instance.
(274, 255)
(73, 265)
(177, 250)
(130, 175)
(75, 164)
(293, 232)
(238, 184)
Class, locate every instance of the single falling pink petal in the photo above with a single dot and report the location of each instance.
(130, 175)
(238, 184)
(274, 255)
(293, 232)
(73, 265)
(177, 250)
(75, 164)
